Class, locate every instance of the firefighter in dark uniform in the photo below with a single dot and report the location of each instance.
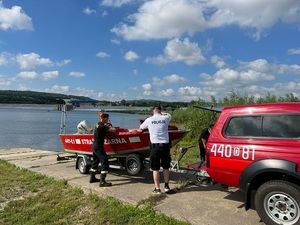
(99, 154)
(203, 137)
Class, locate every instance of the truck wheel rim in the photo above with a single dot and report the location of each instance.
(282, 208)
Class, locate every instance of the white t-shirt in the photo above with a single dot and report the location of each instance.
(158, 127)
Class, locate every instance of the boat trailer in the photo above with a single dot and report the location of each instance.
(197, 169)
(132, 163)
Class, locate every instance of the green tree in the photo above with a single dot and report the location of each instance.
(123, 102)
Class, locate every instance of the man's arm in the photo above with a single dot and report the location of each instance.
(168, 116)
(112, 130)
(144, 125)
(204, 142)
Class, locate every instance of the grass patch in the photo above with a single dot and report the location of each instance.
(30, 198)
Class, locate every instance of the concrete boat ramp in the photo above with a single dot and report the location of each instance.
(195, 204)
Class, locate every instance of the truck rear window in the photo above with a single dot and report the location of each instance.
(276, 126)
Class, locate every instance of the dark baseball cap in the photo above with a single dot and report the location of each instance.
(157, 107)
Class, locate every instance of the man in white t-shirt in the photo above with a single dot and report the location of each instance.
(160, 146)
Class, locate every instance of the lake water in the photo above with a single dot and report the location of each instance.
(38, 126)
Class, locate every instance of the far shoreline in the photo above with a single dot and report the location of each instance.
(52, 107)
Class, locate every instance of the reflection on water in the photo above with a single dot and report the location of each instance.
(37, 127)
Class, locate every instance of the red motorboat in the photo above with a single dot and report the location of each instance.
(121, 143)
(127, 148)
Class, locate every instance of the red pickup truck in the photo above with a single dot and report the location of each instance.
(257, 148)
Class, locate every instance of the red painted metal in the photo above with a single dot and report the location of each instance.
(122, 143)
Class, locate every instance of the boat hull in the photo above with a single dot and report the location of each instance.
(117, 145)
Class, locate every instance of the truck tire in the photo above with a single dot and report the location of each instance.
(278, 202)
(134, 164)
(82, 167)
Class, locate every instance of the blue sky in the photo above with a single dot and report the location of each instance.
(168, 50)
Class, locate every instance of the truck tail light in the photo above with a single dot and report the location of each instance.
(207, 157)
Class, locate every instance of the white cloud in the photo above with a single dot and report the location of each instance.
(184, 51)
(116, 3)
(294, 51)
(50, 75)
(104, 13)
(168, 19)
(208, 46)
(159, 60)
(28, 75)
(218, 62)
(234, 79)
(174, 78)
(111, 96)
(147, 87)
(89, 11)
(190, 91)
(147, 93)
(135, 71)
(89, 92)
(167, 92)
(288, 69)
(278, 89)
(250, 77)
(58, 89)
(102, 55)
(23, 87)
(131, 56)
(163, 19)
(4, 59)
(262, 65)
(256, 14)
(76, 74)
(115, 41)
(157, 81)
(31, 75)
(63, 62)
(14, 18)
(179, 51)
(4, 81)
(134, 88)
(32, 60)
(29, 61)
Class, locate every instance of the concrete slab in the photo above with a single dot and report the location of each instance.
(195, 204)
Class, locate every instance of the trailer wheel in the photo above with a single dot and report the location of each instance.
(278, 202)
(82, 167)
(134, 164)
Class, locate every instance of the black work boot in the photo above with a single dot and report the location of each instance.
(104, 184)
(93, 178)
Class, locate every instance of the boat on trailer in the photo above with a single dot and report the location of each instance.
(126, 149)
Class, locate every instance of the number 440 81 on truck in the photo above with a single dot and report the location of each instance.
(256, 148)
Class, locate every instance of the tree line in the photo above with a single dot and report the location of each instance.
(32, 97)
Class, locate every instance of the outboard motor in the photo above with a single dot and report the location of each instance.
(84, 127)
